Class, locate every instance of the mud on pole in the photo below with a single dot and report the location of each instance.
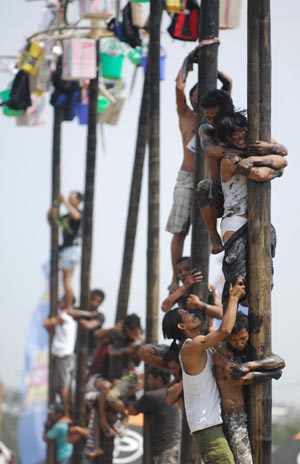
(133, 205)
(153, 66)
(87, 241)
(259, 202)
(207, 81)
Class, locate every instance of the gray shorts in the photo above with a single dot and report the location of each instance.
(63, 369)
(236, 432)
(69, 257)
(181, 213)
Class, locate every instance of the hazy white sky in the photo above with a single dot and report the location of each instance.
(25, 189)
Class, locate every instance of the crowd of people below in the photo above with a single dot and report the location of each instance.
(206, 369)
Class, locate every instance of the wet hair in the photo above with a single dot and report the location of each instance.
(172, 353)
(162, 373)
(169, 325)
(241, 322)
(229, 124)
(132, 321)
(79, 195)
(183, 258)
(98, 292)
(218, 98)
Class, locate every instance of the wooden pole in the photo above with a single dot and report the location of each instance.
(207, 81)
(87, 236)
(54, 243)
(133, 206)
(259, 203)
(200, 246)
(153, 190)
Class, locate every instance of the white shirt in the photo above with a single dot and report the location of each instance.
(64, 339)
(201, 397)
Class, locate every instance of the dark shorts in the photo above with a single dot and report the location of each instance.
(213, 446)
(207, 192)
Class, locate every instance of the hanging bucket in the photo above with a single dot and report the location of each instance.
(162, 61)
(31, 57)
(135, 56)
(4, 95)
(111, 59)
(103, 104)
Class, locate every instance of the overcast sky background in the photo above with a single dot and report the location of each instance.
(25, 189)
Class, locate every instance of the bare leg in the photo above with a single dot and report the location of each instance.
(104, 386)
(210, 214)
(67, 276)
(177, 244)
(65, 398)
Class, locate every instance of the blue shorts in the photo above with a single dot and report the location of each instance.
(69, 257)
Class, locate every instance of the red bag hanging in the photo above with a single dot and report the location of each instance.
(184, 26)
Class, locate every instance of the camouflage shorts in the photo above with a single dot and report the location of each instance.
(236, 432)
(169, 456)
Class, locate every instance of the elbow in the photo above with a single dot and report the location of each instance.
(165, 307)
(224, 332)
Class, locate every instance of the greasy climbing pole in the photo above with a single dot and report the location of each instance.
(133, 205)
(87, 240)
(153, 190)
(259, 202)
(207, 81)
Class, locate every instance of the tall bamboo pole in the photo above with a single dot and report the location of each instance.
(87, 235)
(54, 241)
(133, 206)
(207, 80)
(259, 205)
(153, 190)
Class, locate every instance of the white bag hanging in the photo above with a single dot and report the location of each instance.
(230, 13)
(33, 114)
(99, 9)
(79, 59)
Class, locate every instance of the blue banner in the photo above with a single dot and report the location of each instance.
(32, 448)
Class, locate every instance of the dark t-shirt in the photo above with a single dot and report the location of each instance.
(70, 233)
(100, 360)
(92, 341)
(164, 420)
(118, 365)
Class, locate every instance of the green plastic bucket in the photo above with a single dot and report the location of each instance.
(111, 65)
(4, 95)
(103, 104)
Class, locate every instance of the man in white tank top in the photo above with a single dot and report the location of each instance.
(201, 394)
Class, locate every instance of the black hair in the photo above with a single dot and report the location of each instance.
(218, 98)
(241, 322)
(79, 195)
(193, 90)
(169, 325)
(98, 292)
(56, 408)
(162, 373)
(183, 258)
(132, 321)
(229, 124)
(172, 353)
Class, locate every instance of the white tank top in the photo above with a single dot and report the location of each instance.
(235, 196)
(201, 397)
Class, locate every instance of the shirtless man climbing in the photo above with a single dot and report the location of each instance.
(233, 371)
(180, 216)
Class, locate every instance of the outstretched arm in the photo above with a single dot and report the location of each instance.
(262, 168)
(226, 81)
(266, 148)
(259, 377)
(174, 393)
(266, 364)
